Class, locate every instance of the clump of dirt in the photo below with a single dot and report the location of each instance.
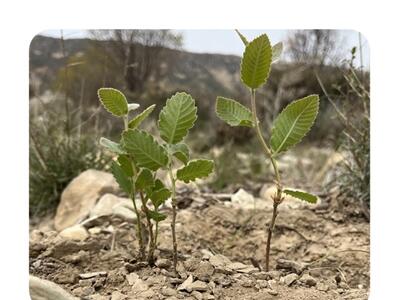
(316, 254)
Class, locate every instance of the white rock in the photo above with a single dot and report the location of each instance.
(41, 289)
(124, 213)
(185, 286)
(104, 205)
(94, 230)
(76, 233)
(92, 274)
(243, 199)
(80, 196)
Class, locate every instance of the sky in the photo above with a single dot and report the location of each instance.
(227, 41)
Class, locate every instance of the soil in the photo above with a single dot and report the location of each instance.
(328, 245)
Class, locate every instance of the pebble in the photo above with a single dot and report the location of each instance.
(289, 279)
(168, 292)
(308, 280)
(163, 263)
(204, 271)
(76, 233)
(117, 296)
(186, 285)
(289, 265)
(198, 285)
(132, 278)
(92, 274)
(197, 295)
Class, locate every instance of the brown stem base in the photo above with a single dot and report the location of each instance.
(270, 231)
(174, 243)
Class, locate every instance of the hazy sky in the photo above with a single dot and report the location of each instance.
(227, 42)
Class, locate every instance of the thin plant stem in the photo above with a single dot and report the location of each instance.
(150, 255)
(270, 231)
(132, 196)
(278, 197)
(174, 243)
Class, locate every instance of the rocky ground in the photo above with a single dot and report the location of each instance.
(89, 250)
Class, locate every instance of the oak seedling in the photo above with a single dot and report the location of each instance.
(291, 125)
(140, 155)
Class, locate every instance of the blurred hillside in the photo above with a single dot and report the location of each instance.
(205, 76)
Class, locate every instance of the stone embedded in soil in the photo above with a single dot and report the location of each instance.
(274, 274)
(95, 230)
(83, 291)
(261, 275)
(191, 264)
(132, 278)
(168, 292)
(197, 295)
(117, 296)
(76, 233)
(219, 261)
(262, 284)
(76, 258)
(80, 196)
(290, 265)
(40, 289)
(65, 278)
(185, 286)
(272, 292)
(163, 263)
(198, 285)
(92, 274)
(308, 280)
(289, 279)
(204, 271)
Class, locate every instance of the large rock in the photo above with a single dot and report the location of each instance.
(105, 205)
(80, 196)
(41, 289)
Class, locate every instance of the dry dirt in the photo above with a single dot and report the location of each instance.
(331, 247)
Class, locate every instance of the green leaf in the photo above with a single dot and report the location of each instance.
(256, 62)
(111, 146)
(145, 150)
(113, 101)
(126, 164)
(144, 180)
(181, 152)
(293, 123)
(136, 121)
(123, 180)
(277, 51)
(198, 168)
(177, 117)
(159, 193)
(242, 37)
(233, 113)
(158, 197)
(301, 195)
(156, 216)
